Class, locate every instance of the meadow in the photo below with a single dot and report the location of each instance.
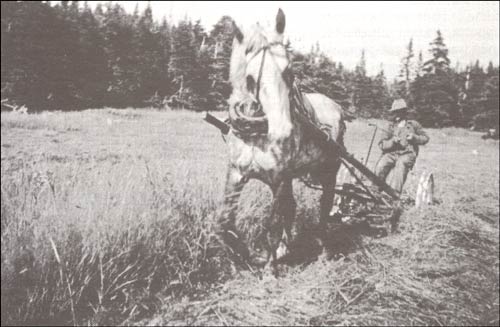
(107, 218)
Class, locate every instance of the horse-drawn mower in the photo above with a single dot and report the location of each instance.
(365, 198)
(375, 203)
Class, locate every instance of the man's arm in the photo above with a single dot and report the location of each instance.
(420, 137)
(387, 143)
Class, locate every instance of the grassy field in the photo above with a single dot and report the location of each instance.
(107, 218)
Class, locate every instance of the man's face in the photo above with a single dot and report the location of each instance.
(398, 116)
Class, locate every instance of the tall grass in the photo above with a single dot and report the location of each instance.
(95, 240)
(100, 245)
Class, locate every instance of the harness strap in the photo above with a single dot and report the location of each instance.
(260, 73)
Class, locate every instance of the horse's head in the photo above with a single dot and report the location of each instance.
(259, 74)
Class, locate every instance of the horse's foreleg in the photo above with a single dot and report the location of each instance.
(281, 218)
(287, 209)
(226, 227)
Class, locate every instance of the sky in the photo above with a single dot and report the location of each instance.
(342, 29)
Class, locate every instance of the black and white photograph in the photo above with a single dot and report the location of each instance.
(250, 163)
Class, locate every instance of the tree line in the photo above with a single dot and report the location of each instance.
(68, 56)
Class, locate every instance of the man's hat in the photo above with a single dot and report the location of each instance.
(398, 104)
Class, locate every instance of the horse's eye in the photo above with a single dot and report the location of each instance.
(250, 83)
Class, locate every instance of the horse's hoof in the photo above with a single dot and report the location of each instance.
(335, 213)
(281, 251)
(258, 259)
(270, 271)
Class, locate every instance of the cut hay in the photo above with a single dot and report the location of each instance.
(435, 272)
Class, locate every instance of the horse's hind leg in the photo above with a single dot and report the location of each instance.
(328, 183)
(226, 225)
(329, 180)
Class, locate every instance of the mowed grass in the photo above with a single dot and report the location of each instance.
(107, 218)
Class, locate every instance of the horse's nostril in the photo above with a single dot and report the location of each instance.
(255, 106)
(250, 83)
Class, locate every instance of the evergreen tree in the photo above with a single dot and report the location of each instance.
(362, 89)
(200, 83)
(220, 45)
(406, 72)
(315, 72)
(329, 80)
(185, 69)
(149, 48)
(64, 56)
(420, 65)
(91, 72)
(165, 82)
(436, 103)
(199, 34)
(471, 84)
(122, 54)
(439, 62)
(10, 80)
(416, 91)
(489, 116)
(380, 94)
(33, 73)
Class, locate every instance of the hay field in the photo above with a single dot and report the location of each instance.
(107, 218)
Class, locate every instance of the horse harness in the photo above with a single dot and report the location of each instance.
(247, 118)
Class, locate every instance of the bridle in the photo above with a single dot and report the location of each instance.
(286, 73)
(256, 125)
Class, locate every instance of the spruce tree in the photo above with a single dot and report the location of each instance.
(33, 60)
(489, 117)
(183, 63)
(219, 48)
(149, 52)
(118, 30)
(316, 72)
(419, 67)
(436, 105)
(471, 84)
(380, 93)
(92, 73)
(362, 89)
(201, 85)
(164, 87)
(439, 62)
(406, 72)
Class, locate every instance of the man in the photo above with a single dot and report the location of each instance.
(400, 146)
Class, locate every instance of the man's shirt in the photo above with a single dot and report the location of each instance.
(401, 131)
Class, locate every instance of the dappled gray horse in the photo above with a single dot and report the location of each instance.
(267, 143)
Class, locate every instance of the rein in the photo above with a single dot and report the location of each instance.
(261, 69)
(260, 74)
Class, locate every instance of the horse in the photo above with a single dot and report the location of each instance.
(268, 143)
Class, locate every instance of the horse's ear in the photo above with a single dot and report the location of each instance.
(280, 21)
(237, 32)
